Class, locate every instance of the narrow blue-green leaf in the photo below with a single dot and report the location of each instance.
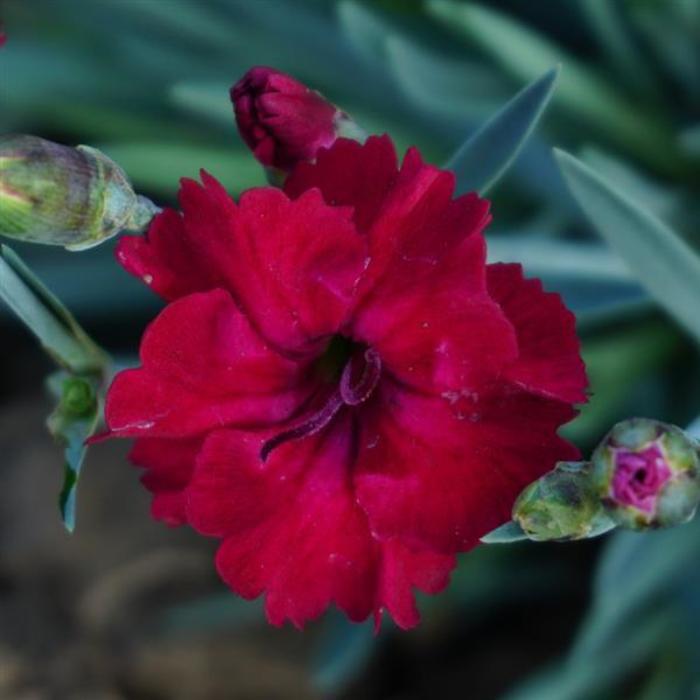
(96, 121)
(690, 140)
(94, 270)
(525, 54)
(365, 29)
(662, 262)
(615, 40)
(617, 360)
(188, 18)
(159, 165)
(457, 89)
(634, 571)
(209, 100)
(660, 200)
(70, 428)
(694, 429)
(543, 257)
(53, 304)
(210, 613)
(510, 532)
(675, 42)
(595, 679)
(45, 317)
(342, 651)
(486, 155)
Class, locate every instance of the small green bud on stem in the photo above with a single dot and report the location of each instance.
(562, 505)
(78, 397)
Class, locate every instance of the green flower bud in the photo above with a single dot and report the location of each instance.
(647, 474)
(78, 397)
(57, 195)
(562, 505)
(77, 406)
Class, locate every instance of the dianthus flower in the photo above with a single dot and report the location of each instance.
(340, 388)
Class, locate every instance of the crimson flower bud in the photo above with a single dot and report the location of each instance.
(284, 122)
(647, 474)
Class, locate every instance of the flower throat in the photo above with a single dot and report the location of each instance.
(357, 374)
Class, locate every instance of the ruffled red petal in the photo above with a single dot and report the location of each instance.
(169, 465)
(167, 259)
(549, 360)
(440, 342)
(203, 367)
(350, 174)
(412, 224)
(292, 265)
(403, 569)
(422, 302)
(292, 530)
(442, 472)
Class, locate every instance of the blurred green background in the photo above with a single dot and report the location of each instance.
(147, 82)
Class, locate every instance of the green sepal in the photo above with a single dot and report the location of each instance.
(75, 419)
(509, 532)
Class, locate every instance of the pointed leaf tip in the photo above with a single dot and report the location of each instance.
(663, 263)
(509, 532)
(481, 161)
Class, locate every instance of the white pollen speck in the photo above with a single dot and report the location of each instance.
(148, 279)
(451, 396)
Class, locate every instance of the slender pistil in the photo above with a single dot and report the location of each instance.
(347, 394)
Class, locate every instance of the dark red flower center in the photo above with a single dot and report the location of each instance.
(360, 371)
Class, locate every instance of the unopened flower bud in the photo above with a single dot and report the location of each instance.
(3, 37)
(284, 122)
(562, 505)
(78, 397)
(648, 474)
(57, 195)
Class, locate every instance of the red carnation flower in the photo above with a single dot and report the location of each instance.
(3, 36)
(340, 388)
(281, 120)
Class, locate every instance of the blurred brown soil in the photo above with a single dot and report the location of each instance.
(81, 616)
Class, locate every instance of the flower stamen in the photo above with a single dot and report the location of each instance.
(362, 390)
(317, 422)
(347, 394)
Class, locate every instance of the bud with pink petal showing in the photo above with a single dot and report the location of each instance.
(647, 474)
(284, 122)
